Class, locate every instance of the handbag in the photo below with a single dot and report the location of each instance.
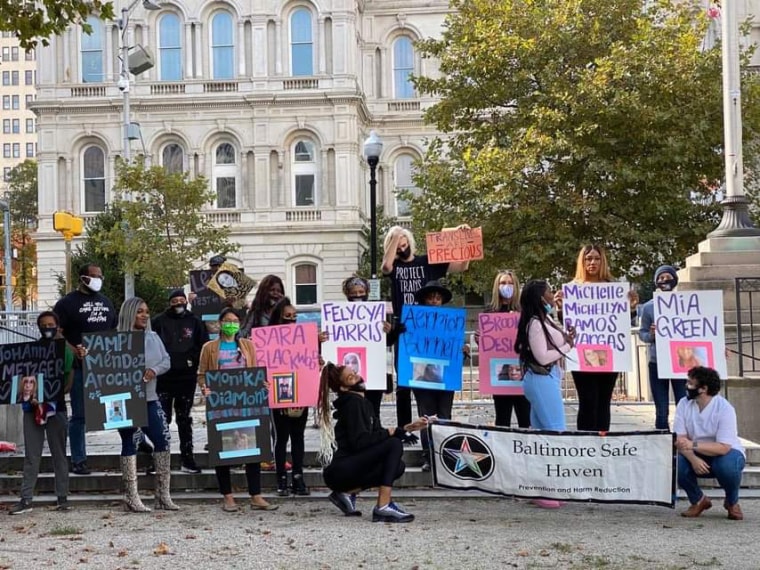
(539, 369)
(294, 412)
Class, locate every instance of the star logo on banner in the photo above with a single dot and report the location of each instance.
(467, 457)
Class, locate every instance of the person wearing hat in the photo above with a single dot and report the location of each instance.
(183, 335)
(665, 279)
(216, 262)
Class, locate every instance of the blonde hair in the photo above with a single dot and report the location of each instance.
(580, 267)
(405, 233)
(514, 302)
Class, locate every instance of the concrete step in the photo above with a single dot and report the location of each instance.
(729, 244)
(743, 258)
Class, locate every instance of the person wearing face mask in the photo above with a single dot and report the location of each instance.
(708, 443)
(665, 279)
(84, 310)
(269, 292)
(183, 335)
(46, 420)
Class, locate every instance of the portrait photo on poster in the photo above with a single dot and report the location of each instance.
(238, 439)
(353, 357)
(115, 407)
(428, 373)
(685, 355)
(285, 388)
(28, 389)
(595, 357)
(506, 372)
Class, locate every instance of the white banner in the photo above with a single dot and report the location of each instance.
(601, 315)
(637, 467)
(689, 332)
(355, 338)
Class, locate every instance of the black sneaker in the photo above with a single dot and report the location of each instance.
(426, 467)
(346, 503)
(23, 506)
(189, 466)
(150, 469)
(80, 468)
(145, 447)
(391, 513)
(299, 487)
(282, 486)
(63, 504)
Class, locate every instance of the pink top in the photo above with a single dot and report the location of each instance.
(542, 351)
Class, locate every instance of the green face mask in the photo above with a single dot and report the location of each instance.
(230, 329)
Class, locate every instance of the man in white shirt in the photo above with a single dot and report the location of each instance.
(708, 443)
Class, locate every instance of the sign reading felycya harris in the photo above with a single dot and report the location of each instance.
(576, 466)
(499, 366)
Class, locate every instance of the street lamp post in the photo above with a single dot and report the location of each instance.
(373, 148)
(6, 208)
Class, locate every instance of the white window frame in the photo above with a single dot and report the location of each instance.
(296, 262)
(82, 178)
(211, 45)
(225, 171)
(305, 168)
(396, 186)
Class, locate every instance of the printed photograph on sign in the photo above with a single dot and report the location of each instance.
(595, 357)
(115, 411)
(506, 372)
(285, 383)
(238, 439)
(353, 357)
(428, 373)
(115, 407)
(686, 355)
(28, 388)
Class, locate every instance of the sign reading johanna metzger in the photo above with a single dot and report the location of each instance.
(636, 467)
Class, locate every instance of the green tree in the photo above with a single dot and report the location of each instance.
(34, 22)
(22, 198)
(576, 121)
(162, 232)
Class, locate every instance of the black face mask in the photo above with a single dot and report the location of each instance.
(289, 321)
(358, 387)
(666, 285)
(403, 253)
(692, 393)
(48, 332)
(357, 299)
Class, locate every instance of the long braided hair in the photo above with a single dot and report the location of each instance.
(329, 381)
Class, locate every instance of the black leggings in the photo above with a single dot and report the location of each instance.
(283, 428)
(594, 398)
(503, 406)
(375, 397)
(433, 403)
(376, 466)
(252, 475)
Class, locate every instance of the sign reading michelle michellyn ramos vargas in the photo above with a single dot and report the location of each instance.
(636, 467)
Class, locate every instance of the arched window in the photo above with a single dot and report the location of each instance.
(225, 176)
(301, 46)
(306, 283)
(304, 173)
(173, 158)
(92, 52)
(170, 47)
(222, 46)
(94, 179)
(403, 68)
(403, 170)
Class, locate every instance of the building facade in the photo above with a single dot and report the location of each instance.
(270, 100)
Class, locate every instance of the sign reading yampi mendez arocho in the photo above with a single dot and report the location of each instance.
(636, 467)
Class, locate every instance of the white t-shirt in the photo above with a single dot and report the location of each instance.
(716, 423)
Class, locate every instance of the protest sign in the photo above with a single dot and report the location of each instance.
(229, 282)
(206, 301)
(290, 353)
(355, 338)
(237, 416)
(636, 467)
(430, 351)
(450, 246)
(32, 371)
(601, 315)
(689, 332)
(499, 367)
(114, 390)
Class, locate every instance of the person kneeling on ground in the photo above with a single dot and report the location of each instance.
(708, 443)
(367, 454)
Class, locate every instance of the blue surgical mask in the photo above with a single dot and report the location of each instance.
(548, 308)
(506, 291)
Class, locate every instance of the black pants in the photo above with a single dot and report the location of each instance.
(252, 475)
(433, 403)
(180, 394)
(403, 396)
(504, 405)
(376, 466)
(375, 397)
(594, 397)
(283, 428)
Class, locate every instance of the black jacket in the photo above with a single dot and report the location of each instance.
(183, 336)
(357, 427)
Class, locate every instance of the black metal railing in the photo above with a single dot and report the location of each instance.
(747, 334)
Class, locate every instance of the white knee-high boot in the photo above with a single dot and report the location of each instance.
(132, 500)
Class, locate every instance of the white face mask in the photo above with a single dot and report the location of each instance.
(94, 284)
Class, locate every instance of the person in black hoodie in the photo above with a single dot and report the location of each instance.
(358, 452)
(183, 334)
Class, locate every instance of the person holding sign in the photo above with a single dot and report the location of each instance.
(708, 443)
(358, 452)
(665, 279)
(268, 294)
(231, 352)
(594, 388)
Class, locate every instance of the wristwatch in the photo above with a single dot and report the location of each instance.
(694, 445)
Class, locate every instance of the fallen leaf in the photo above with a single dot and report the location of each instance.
(122, 553)
(161, 549)
(88, 549)
(110, 543)
(84, 560)
(523, 553)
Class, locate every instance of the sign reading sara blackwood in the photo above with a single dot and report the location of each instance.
(601, 315)
(290, 353)
(431, 348)
(32, 372)
(498, 364)
(447, 246)
(355, 338)
(113, 371)
(636, 467)
(689, 332)
(237, 416)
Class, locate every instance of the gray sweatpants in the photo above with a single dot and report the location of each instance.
(56, 429)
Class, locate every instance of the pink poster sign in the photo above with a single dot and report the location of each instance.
(290, 354)
(499, 367)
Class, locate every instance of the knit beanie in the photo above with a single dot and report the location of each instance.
(177, 293)
(666, 269)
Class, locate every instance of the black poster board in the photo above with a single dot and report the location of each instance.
(206, 301)
(32, 371)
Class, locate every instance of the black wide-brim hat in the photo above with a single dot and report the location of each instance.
(432, 287)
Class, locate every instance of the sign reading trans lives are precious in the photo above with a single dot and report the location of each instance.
(498, 364)
(689, 332)
(431, 348)
(355, 338)
(448, 246)
(237, 416)
(114, 390)
(634, 467)
(601, 315)
(31, 371)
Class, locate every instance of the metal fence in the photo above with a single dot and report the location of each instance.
(747, 329)
(18, 326)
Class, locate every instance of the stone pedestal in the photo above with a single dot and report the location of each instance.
(11, 426)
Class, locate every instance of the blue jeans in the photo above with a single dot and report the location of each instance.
(659, 387)
(157, 431)
(727, 469)
(547, 410)
(77, 441)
